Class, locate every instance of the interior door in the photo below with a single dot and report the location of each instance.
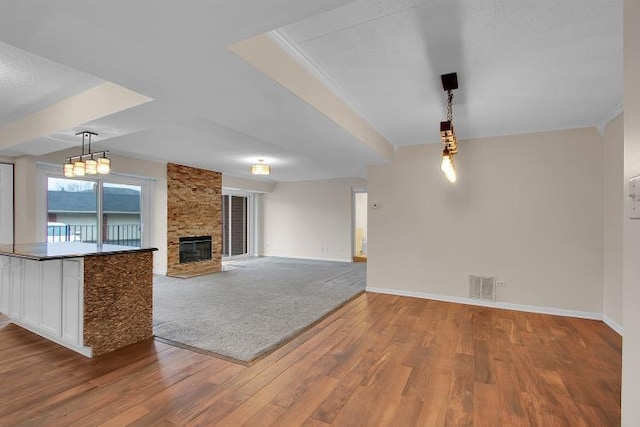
(360, 226)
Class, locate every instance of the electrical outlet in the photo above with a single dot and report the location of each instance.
(500, 283)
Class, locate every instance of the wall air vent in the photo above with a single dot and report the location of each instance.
(483, 288)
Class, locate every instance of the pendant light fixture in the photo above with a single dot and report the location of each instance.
(260, 168)
(447, 133)
(88, 163)
(104, 164)
(447, 165)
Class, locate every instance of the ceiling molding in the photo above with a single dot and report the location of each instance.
(602, 124)
(308, 64)
(272, 60)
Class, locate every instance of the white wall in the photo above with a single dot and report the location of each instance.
(27, 187)
(6, 203)
(245, 184)
(631, 228)
(27, 194)
(526, 209)
(232, 183)
(310, 219)
(25, 200)
(613, 216)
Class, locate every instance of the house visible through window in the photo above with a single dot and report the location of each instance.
(94, 212)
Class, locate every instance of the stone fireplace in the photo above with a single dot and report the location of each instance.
(194, 221)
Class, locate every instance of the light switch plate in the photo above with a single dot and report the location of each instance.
(634, 198)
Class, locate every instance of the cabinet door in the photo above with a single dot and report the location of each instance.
(5, 285)
(52, 297)
(16, 289)
(32, 292)
(72, 305)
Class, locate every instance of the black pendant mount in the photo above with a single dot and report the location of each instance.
(449, 81)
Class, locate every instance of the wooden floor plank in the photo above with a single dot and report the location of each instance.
(486, 405)
(305, 405)
(378, 360)
(266, 416)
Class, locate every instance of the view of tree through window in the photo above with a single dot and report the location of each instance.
(72, 210)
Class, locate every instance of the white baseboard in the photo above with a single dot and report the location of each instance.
(497, 304)
(612, 324)
(85, 351)
(469, 301)
(311, 258)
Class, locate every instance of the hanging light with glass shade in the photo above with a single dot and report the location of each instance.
(447, 133)
(89, 163)
(260, 168)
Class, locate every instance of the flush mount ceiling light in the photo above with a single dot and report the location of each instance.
(89, 163)
(261, 168)
(447, 134)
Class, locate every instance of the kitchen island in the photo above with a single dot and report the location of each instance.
(90, 298)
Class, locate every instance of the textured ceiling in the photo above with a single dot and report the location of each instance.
(29, 83)
(522, 66)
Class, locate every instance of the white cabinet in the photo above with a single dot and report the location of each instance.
(5, 284)
(45, 297)
(51, 320)
(72, 297)
(15, 293)
(32, 293)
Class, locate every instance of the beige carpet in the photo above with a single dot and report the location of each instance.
(253, 306)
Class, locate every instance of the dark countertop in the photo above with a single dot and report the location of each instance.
(45, 251)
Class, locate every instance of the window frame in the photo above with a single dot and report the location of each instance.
(45, 170)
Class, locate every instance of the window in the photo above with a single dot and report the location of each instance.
(121, 214)
(105, 210)
(71, 210)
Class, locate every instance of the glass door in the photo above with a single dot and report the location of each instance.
(121, 214)
(235, 225)
(97, 211)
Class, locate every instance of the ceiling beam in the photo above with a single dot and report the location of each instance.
(268, 57)
(94, 103)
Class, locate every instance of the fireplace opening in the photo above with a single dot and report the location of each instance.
(193, 249)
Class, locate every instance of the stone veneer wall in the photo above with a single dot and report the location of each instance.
(118, 300)
(194, 198)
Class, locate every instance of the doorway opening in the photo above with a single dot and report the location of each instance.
(359, 226)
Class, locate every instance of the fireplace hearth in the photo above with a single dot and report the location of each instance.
(194, 249)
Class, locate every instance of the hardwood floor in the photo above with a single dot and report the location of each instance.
(379, 360)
